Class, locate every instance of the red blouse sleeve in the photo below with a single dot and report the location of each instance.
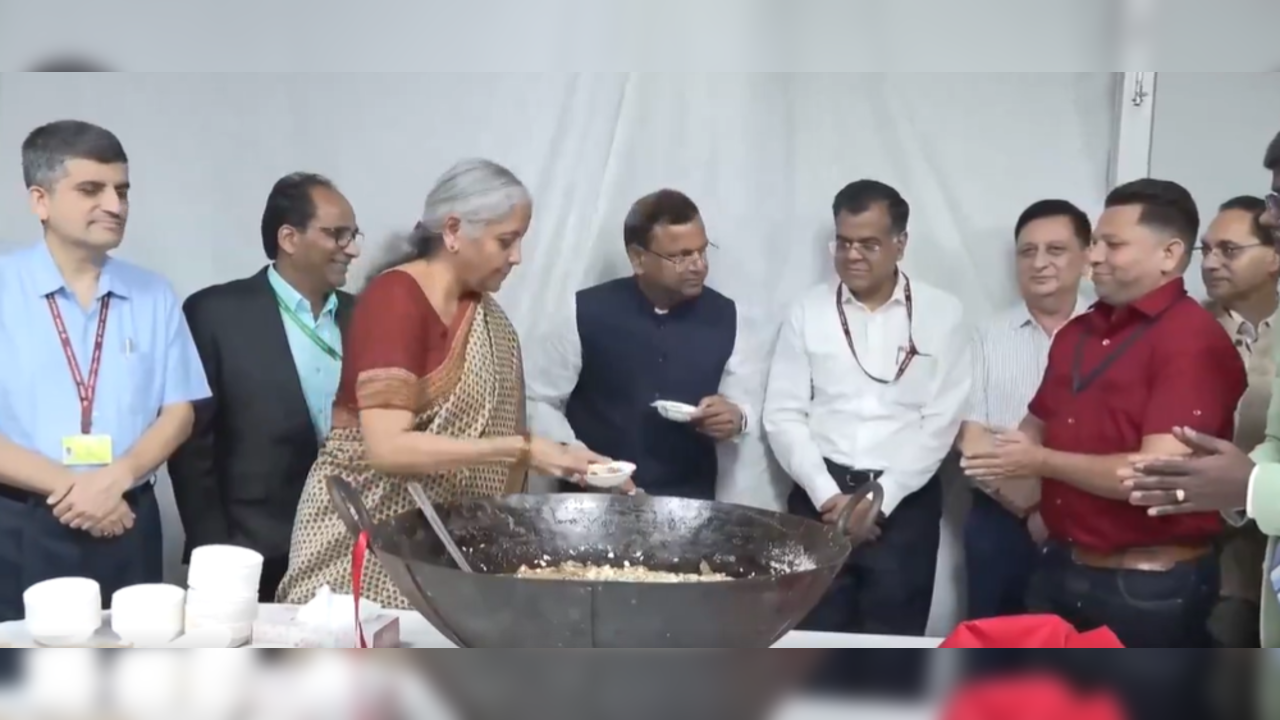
(386, 344)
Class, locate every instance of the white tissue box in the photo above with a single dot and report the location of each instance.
(279, 625)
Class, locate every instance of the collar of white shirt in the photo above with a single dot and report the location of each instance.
(899, 296)
(1020, 315)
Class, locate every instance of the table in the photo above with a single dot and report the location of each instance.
(416, 632)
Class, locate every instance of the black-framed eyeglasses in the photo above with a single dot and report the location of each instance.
(1227, 251)
(343, 236)
(687, 259)
(867, 248)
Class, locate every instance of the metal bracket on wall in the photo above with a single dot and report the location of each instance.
(1131, 156)
(1140, 93)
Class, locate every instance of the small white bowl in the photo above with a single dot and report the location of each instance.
(611, 474)
(148, 614)
(226, 556)
(63, 611)
(676, 411)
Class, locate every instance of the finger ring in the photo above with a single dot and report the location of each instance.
(1181, 495)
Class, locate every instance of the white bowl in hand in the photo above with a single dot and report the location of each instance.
(63, 611)
(611, 474)
(676, 411)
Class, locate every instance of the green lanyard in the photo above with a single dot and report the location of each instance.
(306, 330)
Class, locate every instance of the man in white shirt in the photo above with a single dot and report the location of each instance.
(1010, 354)
(660, 334)
(868, 382)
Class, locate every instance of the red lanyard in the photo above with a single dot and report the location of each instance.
(358, 554)
(87, 389)
(912, 351)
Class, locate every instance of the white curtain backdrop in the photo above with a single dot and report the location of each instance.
(763, 155)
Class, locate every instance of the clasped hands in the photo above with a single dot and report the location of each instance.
(1012, 460)
(93, 501)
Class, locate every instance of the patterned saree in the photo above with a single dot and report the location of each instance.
(477, 392)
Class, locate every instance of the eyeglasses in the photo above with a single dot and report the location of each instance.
(343, 236)
(685, 260)
(865, 248)
(1227, 251)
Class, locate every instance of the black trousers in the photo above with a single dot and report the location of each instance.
(273, 571)
(1162, 615)
(35, 546)
(886, 588)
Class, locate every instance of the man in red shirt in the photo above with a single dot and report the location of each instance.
(1146, 359)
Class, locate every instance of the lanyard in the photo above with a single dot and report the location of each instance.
(87, 389)
(306, 330)
(912, 351)
(1080, 383)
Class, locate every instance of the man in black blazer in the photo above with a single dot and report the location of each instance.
(272, 349)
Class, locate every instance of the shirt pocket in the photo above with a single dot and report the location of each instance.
(142, 383)
(915, 388)
(831, 363)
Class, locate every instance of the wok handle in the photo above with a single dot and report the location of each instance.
(859, 533)
(349, 506)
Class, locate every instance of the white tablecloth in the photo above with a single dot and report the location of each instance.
(416, 632)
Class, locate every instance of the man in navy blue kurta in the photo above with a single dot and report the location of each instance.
(658, 335)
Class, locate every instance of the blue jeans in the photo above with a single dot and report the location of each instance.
(1165, 613)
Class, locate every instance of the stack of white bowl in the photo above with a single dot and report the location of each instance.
(222, 590)
(64, 611)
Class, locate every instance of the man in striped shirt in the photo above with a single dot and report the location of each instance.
(1010, 353)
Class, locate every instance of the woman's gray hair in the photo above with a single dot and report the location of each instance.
(481, 192)
(477, 191)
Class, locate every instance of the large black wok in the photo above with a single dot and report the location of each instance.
(784, 564)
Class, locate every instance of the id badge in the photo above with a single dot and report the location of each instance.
(85, 450)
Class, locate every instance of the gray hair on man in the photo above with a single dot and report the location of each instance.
(48, 148)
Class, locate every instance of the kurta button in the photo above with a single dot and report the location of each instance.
(1106, 343)
(1071, 421)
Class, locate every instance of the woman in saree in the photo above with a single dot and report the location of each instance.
(432, 388)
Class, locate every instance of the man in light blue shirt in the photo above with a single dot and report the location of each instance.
(272, 347)
(97, 379)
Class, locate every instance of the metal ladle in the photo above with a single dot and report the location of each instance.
(433, 518)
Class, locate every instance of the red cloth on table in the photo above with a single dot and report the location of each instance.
(1028, 631)
(1037, 697)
